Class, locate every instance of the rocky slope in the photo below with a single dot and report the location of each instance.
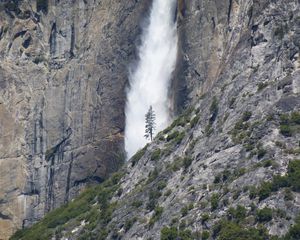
(63, 70)
(227, 168)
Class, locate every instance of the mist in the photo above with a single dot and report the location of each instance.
(150, 79)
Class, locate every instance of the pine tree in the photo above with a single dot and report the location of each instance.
(150, 123)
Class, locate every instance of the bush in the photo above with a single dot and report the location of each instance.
(227, 230)
(184, 211)
(295, 117)
(168, 233)
(264, 215)
(137, 203)
(214, 109)
(155, 154)
(261, 86)
(161, 185)
(173, 233)
(136, 157)
(156, 216)
(204, 218)
(261, 153)
(286, 130)
(294, 232)
(205, 235)
(42, 5)
(265, 190)
(194, 121)
(153, 175)
(246, 116)
(129, 223)
(238, 214)
(214, 201)
(294, 175)
(187, 161)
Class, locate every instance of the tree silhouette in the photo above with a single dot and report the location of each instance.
(150, 123)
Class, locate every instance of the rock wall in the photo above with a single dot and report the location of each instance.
(63, 71)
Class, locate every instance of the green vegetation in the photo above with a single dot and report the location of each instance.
(289, 124)
(173, 233)
(228, 230)
(294, 232)
(176, 137)
(261, 86)
(42, 5)
(158, 211)
(194, 121)
(214, 109)
(204, 218)
(137, 203)
(80, 208)
(246, 116)
(38, 59)
(291, 180)
(237, 214)
(214, 201)
(264, 215)
(155, 154)
(187, 161)
(205, 235)
(136, 157)
(129, 223)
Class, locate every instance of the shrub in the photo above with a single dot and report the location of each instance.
(246, 116)
(153, 175)
(294, 231)
(168, 233)
(158, 211)
(42, 5)
(214, 201)
(214, 108)
(288, 195)
(286, 130)
(161, 185)
(187, 161)
(295, 117)
(173, 233)
(155, 154)
(205, 235)
(194, 121)
(184, 211)
(264, 215)
(265, 190)
(129, 223)
(204, 218)
(261, 152)
(261, 86)
(253, 192)
(279, 182)
(294, 175)
(239, 213)
(136, 157)
(227, 230)
(137, 203)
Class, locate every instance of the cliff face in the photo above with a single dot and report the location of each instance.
(232, 155)
(63, 70)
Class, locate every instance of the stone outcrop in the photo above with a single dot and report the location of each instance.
(238, 70)
(63, 71)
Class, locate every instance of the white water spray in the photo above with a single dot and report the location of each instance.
(150, 81)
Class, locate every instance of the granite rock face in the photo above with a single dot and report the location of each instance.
(63, 71)
(238, 72)
(238, 69)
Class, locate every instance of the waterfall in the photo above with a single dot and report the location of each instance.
(150, 79)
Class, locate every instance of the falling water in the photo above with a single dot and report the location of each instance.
(150, 80)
